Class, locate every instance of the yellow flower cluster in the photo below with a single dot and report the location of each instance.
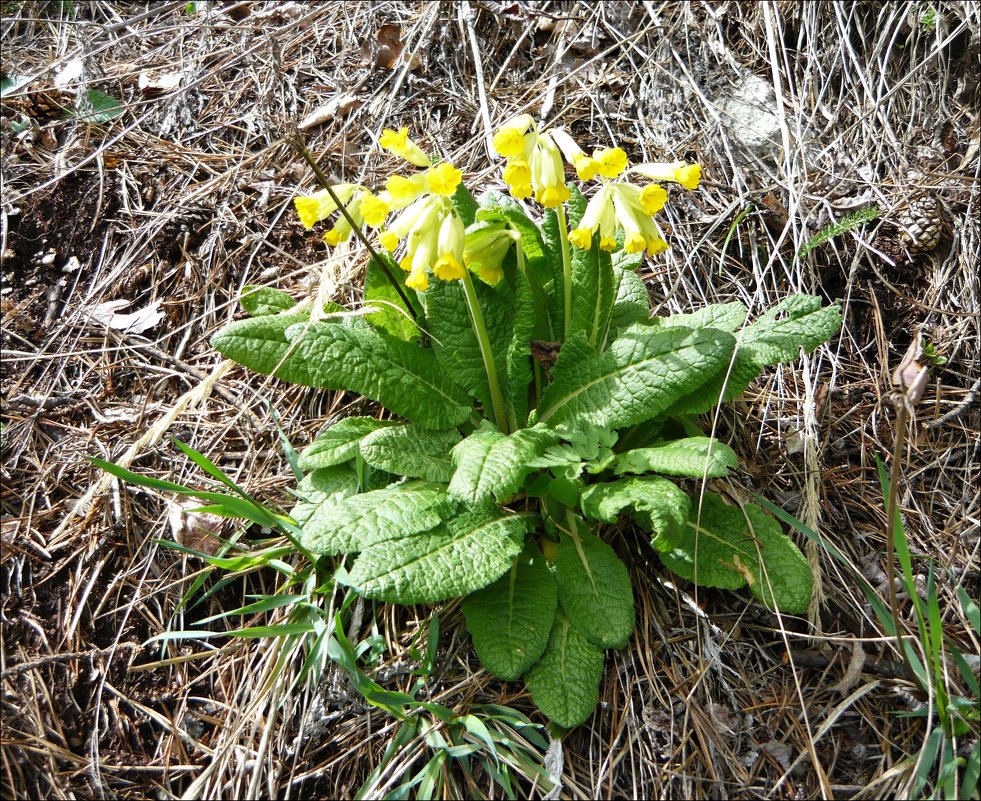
(426, 220)
(534, 167)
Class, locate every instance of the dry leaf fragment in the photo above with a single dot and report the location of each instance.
(389, 46)
(109, 314)
(198, 531)
(340, 106)
(154, 85)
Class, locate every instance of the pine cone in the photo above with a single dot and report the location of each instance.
(41, 105)
(920, 224)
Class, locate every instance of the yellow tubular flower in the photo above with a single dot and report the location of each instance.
(485, 248)
(449, 265)
(401, 191)
(374, 209)
(582, 238)
(639, 228)
(652, 198)
(443, 179)
(509, 140)
(417, 280)
(688, 175)
(401, 145)
(548, 174)
(611, 161)
(320, 205)
(388, 240)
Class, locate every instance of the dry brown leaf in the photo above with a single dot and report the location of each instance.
(389, 46)
(154, 84)
(340, 106)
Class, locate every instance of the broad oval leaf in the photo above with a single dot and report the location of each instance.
(728, 546)
(643, 373)
(323, 486)
(408, 450)
(660, 506)
(261, 300)
(354, 523)
(489, 463)
(796, 323)
(723, 316)
(564, 683)
(594, 587)
(260, 344)
(401, 376)
(339, 443)
(696, 457)
(510, 619)
(464, 554)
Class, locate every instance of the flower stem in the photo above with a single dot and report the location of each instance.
(296, 140)
(566, 268)
(480, 330)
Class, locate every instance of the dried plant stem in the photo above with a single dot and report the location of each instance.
(296, 140)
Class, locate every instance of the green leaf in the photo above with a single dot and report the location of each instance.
(696, 457)
(411, 451)
(261, 300)
(632, 304)
(465, 204)
(660, 506)
(323, 486)
(594, 587)
(491, 463)
(104, 107)
(799, 322)
(399, 375)
(339, 443)
(724, 549)
(392, 315)
(454, 342)
(510, 619)
(260, 344)
(518, 373)
(564, 683)
(464, 554)
(356, 522)
(723, 316)
(643, 373)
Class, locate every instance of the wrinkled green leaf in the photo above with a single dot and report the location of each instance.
(640, 376)
(724, 547)
(411, 451)
(799, 322)
(323, 486)
(594, 587)
(466, 553)
(696, 457)
(489, 463)
(339, 443)
(399, 375)
(356, 522)
(260, 344)
(392, 316)
(564, 683)
(723, 316)
(632, 304)
(510, 620)
(660, 506)
(260, 300)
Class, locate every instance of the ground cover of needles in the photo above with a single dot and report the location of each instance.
(147, 179)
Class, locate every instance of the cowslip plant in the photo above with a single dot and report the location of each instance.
(529, 403)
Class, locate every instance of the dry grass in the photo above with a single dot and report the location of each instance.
(185, 199)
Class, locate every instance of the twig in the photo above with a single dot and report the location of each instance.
(55, 659)
(957, 411)
(295, 138)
